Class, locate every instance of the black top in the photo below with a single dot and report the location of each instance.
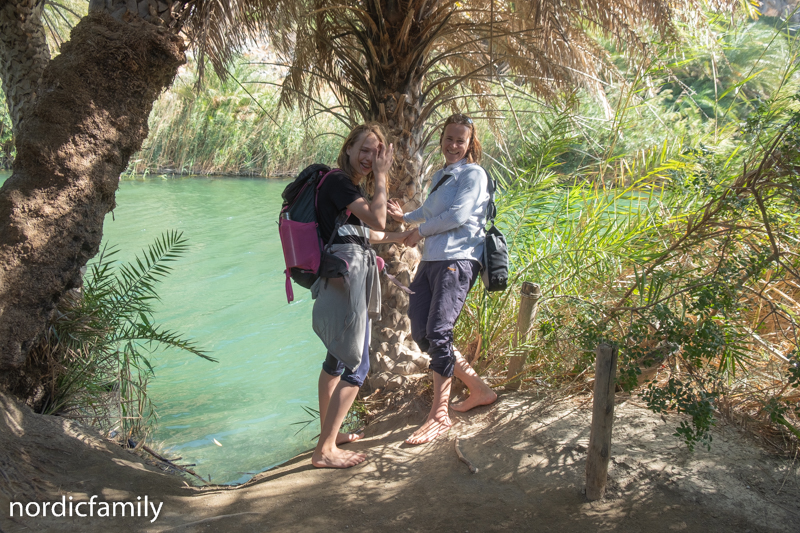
(334, 196)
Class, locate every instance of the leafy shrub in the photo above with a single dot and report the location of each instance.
(95, 354)
(682, 254)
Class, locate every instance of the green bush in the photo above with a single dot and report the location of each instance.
(96, 349)
(682, 254)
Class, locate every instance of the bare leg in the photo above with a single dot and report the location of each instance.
(327, 384)
(479, 392)
(438, 419)
(327, 454)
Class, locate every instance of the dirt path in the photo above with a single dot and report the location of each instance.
(530, 456)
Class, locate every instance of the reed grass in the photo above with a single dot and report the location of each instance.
(232, 127)
(683, 254)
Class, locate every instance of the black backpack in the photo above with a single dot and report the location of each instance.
(304, 253)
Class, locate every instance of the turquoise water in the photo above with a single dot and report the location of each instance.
(227, 294)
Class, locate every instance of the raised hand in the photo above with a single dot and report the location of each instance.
(394, 210)
(383, 159)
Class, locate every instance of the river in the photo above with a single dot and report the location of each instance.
(227, 294)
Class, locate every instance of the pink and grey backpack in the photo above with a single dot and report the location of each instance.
(305, 254)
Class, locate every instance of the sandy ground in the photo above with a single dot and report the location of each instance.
(530, 454)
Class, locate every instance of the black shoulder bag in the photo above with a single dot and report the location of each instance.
(495, 250)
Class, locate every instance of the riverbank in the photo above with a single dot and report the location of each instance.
(529, 452)
(173, 173)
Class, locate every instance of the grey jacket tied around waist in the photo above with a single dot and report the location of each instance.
(453, 218)
(343, 306)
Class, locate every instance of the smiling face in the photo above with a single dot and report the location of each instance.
(455, 142)
(362, 153)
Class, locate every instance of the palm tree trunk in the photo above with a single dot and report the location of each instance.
(391, 338)
(23, 54)
(73, 140)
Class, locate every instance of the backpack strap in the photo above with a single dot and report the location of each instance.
(289, 291)
(491, 187)
(491, 208)
(355, 231)
(440, 183)
(342, 218)
(320, 182)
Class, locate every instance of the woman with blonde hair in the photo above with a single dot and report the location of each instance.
(343, 306)
(452, 221)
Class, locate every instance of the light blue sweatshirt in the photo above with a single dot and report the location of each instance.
(453, 218)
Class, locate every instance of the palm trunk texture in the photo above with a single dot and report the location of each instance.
(23, 54)
(393, 352)
(74, 136)
(397, 103)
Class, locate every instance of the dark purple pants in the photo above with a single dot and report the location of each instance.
(440, 289)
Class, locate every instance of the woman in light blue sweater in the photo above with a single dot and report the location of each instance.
(452, 221)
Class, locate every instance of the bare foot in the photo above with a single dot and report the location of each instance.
(344, 438)
(337, 458)
(475, 399)
(430, 430)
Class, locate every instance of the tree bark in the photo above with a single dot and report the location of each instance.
(399, 112)
(89, 116)
(397, 83)
(23, 55)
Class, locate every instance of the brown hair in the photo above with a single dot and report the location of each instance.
(474, 152)
(343, 162)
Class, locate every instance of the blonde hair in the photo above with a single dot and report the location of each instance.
(474, 151)
(343, 162)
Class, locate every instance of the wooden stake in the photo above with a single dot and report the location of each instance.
(530, 294)
(602, 420)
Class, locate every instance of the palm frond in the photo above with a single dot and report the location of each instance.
(384, 48)
(135, 284)
(99, 344)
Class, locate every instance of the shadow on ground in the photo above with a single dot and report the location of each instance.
(530, 454)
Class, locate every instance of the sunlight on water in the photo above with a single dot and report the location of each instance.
(227, 293)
